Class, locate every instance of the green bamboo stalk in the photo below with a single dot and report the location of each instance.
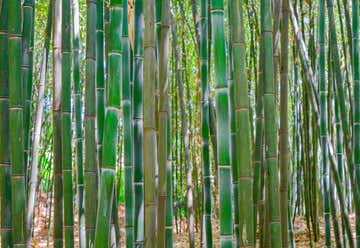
(270, 125)
(91, 168)
(128, 135)
(112, 111)
(163, 117)
(5, 165)
(258, 144)
(242, 121)
(234, 146)
(28, 10)
(323, 120)
(16, 124)
(283, 132)
(169, 187)
(356, 95)
(78, 123)
(100, 77)
(223, 125)
(150, 142)
(66, 138)
(138, 122)
(205, 123)
(58, 179)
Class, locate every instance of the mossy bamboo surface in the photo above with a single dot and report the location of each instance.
(112, 112)
(91, 168)
(16, 124)
(5, 165)
(222, 121)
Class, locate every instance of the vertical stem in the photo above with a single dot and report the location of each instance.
(223, 124)
(58, 179)
(270, 125)
(5, 164)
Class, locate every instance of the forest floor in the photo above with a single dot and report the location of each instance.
(43, 238)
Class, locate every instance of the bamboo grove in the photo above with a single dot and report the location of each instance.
(170, 123)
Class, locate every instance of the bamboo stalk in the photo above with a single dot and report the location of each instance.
(223, 125)
(91, 168)
(16, 124)
(5, 164)
(128, 133)
(112, 111)
(58, 179)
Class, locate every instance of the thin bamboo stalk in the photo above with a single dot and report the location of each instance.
(150, 139)
(163, 145)
(78, 123)
(128, 134)
(205, 123)
(58, 179)
(28, 10)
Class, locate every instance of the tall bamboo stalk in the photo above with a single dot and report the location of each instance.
(78, 122)
(356, 95)
(205, 123)
(270, 125)
(163, 145)
(112, 112)
(16, 124)
(138, 122)
(5, 165)
(283, 132)
(66, 134)
(242, 121)
(100, 77)
(28, 11)
(38, 121)
(150, 142)
(58, 179)
(323, 120)
(128, 135)
(91, 168)
(223, 124)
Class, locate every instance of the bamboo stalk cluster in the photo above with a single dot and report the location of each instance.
(244, 115)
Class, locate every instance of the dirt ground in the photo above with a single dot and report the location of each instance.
(42, 236)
